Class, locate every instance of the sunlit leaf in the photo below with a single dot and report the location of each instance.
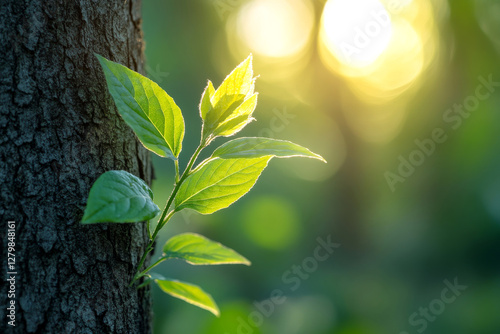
(146, 108)
(205, 104)
(119, 197)
(254, 147)
(188, 292)
(239, 118)
(198, 250)
(239, 82)
(218, 183)
(230, 107)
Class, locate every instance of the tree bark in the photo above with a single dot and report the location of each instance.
(59, 130)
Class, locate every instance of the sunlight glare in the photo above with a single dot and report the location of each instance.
(381, 49)
(356, 32)
(275, 28)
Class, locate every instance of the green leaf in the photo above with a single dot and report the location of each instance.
(228, 109)
(239, 82)
(198, 250)
(188, 292)
(254, 147)
(146, 108)
(218, 183)
(239, 118)
(119, 197)
(205, 104)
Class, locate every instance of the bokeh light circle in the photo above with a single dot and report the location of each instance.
(275, 28)
(356, 32)
(271, 222)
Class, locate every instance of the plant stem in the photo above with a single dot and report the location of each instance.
(191, 162)
(152, 266)
(148, 230)
(164, 217)
(176, 171)
(148, 249)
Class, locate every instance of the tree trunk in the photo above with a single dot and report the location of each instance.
(59, 131)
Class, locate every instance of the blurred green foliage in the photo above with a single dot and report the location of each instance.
(397, 248)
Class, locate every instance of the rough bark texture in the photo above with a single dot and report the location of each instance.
(59, 130)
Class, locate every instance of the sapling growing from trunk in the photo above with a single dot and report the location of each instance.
(212, 184)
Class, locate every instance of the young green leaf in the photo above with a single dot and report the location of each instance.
(239, 118)
(239, 82)
(228, 109)
(205, 104)
(119, 197)
(254, 147)
(198, 250)
(188, 292)
(218, 183)
(146, 108)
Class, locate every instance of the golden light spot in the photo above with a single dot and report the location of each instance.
(356, 32)
(275, 28)
(380, 48)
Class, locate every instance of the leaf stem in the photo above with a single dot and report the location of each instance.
(160, 260)
(148, 249)
(164, 216)
(148, 229)
(178, 184)
(176, 171)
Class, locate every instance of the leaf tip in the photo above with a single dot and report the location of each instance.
(320, 158)
(99, 57)
(86, 221)
(247, 63)
(215, 311)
